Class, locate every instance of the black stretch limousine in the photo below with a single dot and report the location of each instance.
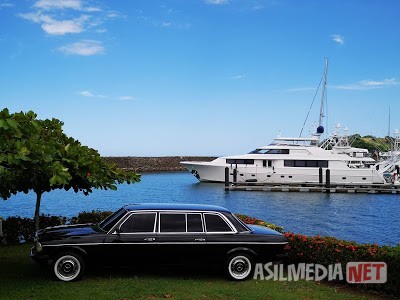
(159, 233)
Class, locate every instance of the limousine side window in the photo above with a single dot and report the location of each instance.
(194, 223)
(139, 223)
(214, 223)
(180, 222)
(172, 222)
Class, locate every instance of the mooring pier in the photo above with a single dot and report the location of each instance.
(321, 187)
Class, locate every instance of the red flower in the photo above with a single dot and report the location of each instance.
(88, 174)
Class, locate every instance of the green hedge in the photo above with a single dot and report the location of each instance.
(18, 230)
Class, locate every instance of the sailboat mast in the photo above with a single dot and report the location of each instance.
(321, 109)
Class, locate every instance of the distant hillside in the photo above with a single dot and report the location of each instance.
(371, 143)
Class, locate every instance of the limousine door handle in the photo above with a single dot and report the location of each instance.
(199, 240)
(149, 239)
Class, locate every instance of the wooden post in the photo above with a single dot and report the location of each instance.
(320, 176)
(328, 179)
(226, 178)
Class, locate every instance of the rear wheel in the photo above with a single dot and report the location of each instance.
(239, 266)
(68, 266)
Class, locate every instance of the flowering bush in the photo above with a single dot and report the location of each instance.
(255, 221)
(329, 250)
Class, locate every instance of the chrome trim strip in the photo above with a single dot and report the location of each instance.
(166, 243)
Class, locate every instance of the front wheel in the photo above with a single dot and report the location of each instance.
(239, 266)
(68, 266)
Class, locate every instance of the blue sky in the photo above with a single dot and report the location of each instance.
(199, 77)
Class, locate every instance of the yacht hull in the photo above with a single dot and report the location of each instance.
(212, 172)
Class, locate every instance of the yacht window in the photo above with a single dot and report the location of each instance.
(300, 163)
(240, 161)
(259, 151)
(270, 151)
(306, 163)
(270, 163)
(264, 163)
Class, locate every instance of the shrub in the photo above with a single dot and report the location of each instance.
(19, 230)
(329, 250)
(90, 217)
(254, 221)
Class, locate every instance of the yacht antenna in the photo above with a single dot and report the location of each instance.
(321, 109)
(320, 128)
(389, 123)
(315, 95)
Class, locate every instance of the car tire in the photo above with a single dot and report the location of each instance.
(68, 266)
(239, 266)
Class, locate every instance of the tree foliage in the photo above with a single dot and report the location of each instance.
(37, 155)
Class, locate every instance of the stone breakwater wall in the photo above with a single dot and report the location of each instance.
(154, 164)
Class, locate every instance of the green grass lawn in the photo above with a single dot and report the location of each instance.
(21, 278)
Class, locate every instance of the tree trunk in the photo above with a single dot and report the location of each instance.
(37, 212)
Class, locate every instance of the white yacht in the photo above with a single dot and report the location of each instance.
(295, 160)
(291, 160)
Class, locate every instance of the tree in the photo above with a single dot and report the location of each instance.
(36, 155)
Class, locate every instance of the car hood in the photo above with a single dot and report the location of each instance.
(67, 231)
(257, 229)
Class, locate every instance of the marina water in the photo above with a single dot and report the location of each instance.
(364, 218)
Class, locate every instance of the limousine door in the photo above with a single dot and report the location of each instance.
(181, 238)
(134, 240)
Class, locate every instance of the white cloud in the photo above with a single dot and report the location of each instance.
(126, 98)
(89, 94)
(63, 27)
(240, 76)
(369, 84)
(64, 4)
(258, 7)
(5, 5)
(59, 17)
(58, 4)
(166, 24)
(358, 86)
(37, 17)
(86, 94)
(217, 2)
(84, 48)
(338, 39)
(55, 27)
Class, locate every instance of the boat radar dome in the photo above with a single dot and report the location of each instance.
(320, 129)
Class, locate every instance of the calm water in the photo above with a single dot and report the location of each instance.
(366, 218)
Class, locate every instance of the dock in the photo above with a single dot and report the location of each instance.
(321, 187)
(314, 188)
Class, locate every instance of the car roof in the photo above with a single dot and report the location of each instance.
(174, 206)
